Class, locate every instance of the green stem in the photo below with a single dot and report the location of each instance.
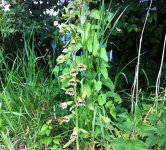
(76, 109)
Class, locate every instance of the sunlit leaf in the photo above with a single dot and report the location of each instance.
(95, 14)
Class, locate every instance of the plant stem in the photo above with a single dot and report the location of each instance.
(76, 109)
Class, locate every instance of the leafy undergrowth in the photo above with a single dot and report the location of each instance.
(76, 105)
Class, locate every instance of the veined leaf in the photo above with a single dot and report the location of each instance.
(106, 119)
(104, 72)
(116, 96)
(95, 44)
(98, 86)
(112, 109)
(90, 44)
(87, 28)
(86, 91)
(101, 99)
(103, 54)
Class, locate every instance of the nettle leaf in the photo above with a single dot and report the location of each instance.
(122, 144)
(104, 72)
(101, 99)
(103, 54)
(137, 113)
(151, 141)
(98, 86)
(95, 44)
(95, 14)
(162, 141)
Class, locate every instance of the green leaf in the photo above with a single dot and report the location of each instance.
(108, 83)
(82, 130)
(45, 130)
(95, 44)
(87, 28)
(101, 99)
(82, 20)
(112, 108)
(45, 141)
(90, 44)
(116, 96)
(78, 46)
(122, 144)
(151, 141)
(106, 119)
(103, 54)
(98, 86)
(95, 14)
(86, 90)
(69, 143)
(104, 72)
(56, 141)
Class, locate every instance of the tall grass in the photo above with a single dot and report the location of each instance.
(26, 96)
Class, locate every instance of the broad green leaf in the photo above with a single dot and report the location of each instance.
(107, 82)
(122, 144)
(106, 119)
(104, 72)
(90, 44)
(103, 54)
(98, 86)
(56, 141)
(82, 20)
(114, 95)
(95, 14)
(87, 28)
(95, 44)
(151, 141)
(69, 143)
(79, 60)
(162, 141)
(101, 99)
(46, 141)
(112, 109)
(86, 90)
(78, 46)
